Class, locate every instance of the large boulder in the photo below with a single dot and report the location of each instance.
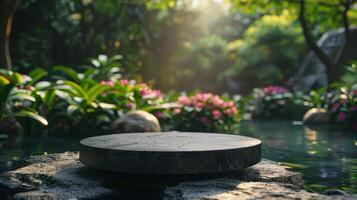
(317, 116)
(136, 121)
(62, 176)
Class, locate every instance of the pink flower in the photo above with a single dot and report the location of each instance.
(224, 104)
(177, 110)
(159, 114)
(144, 92)
(204, 120)
(131, 106)
(274, 89)
(354, 92)
(216, 114)
(108, 83)
(217, 101)
(184, 100)
(335, 106)
(234, 110)
(341, 116)
(124, 82)
(156, 94)
(344, 101)
(231, 104)
(228, 112)
(199, 106)
(231, 111)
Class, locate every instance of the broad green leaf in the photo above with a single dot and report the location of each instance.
(36, 75)
(22, 97)
(89, 73)
(43, 85)
(77, 88)
(72, 108)
(107, 106)
(32, 115)
(49, 98)
(17, 77)
(4, 80)
(68, 71)
(95, 91)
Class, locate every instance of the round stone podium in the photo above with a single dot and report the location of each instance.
(170, 153)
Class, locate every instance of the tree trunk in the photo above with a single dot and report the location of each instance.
(7, 11)
(324, 58)
(343, 57)
(347, 6)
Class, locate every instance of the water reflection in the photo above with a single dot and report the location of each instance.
(325, 155)
(12, 153)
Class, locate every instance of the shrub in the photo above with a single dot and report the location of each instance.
(16, 100)
(204, 112)
(342, 104)
(278, 102)
(271, 101)
(128, 95)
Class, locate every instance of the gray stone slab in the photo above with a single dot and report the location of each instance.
(170, 152)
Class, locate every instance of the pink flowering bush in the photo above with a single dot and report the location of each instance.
(204, 112)
(271, 101)
(128, 95)
(271, 90)
(342, 104)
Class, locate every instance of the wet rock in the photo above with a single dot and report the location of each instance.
(62, 176)
(55, 176)
(35, 195)
(270, 171)
(236, 189)
(331, 192)
(136, 121)
(317, 116)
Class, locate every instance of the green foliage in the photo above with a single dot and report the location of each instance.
(271, 46)
(76, 31)
(278, 102)
(16, 97)
(351, 76)
(341, 102)
(321, 15)
(108, 68)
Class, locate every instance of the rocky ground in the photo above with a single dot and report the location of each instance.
(62, 176)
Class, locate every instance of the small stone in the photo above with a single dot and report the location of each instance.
(331, 192)
(136, 121)
(317, 116)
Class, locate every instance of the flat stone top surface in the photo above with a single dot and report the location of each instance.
(170, 142)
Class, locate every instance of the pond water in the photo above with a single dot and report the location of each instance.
(326, 157)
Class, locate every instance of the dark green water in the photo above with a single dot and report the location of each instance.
(327, 157)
